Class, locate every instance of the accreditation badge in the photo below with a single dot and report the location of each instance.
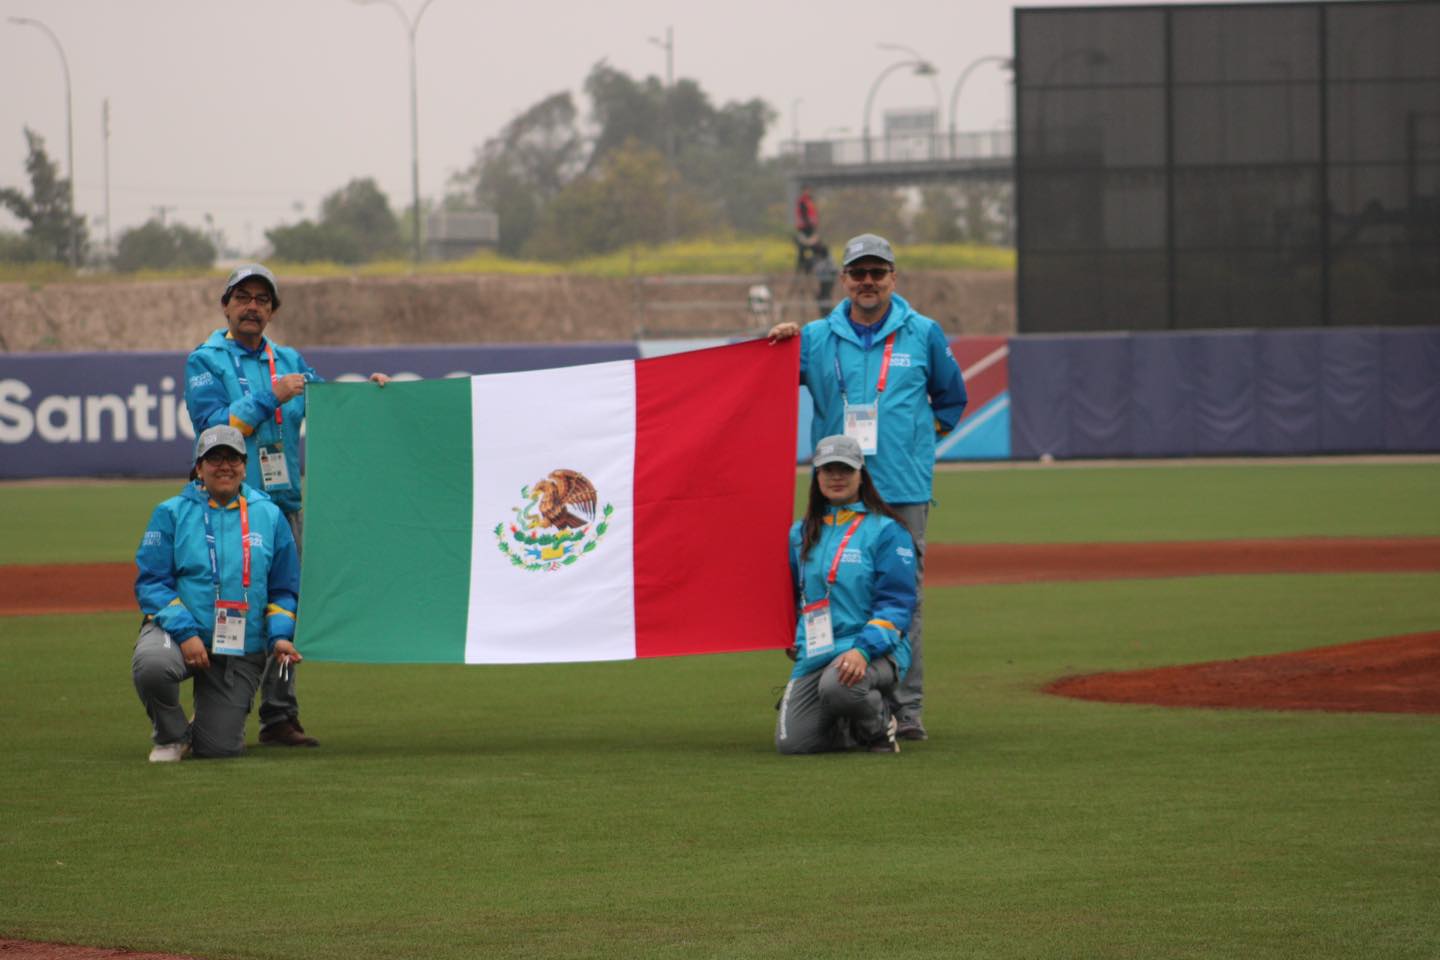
(273, 470)
(819, 638)
(862, 424)
(229, 637)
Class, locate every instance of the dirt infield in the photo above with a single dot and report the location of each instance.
(958, 565)
(108, 587)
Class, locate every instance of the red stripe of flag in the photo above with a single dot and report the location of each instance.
(714, 494)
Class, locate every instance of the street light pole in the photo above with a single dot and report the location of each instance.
(411, 26)
(922, 68)
(928, 71)
(69, 135)
(1005, 64)
(669, 117)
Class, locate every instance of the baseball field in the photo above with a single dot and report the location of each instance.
(638, 809)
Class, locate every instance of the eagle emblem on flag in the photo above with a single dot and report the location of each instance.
(556, 524)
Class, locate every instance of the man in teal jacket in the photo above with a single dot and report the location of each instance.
(883, 373)
(242, 379)
(217, 577)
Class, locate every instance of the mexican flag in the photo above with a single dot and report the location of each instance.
(636, 508)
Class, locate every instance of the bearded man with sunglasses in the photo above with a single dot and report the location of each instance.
(239, 378)
(884, 374)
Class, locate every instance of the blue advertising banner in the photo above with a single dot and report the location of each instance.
(1227, 393)
(123, 414)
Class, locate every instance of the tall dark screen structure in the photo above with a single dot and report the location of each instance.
(1175, 164)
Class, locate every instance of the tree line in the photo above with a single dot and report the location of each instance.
(648, 163)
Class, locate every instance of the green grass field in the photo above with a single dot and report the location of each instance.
(638, 809)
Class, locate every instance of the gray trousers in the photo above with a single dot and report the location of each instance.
(222, 694)
(905, 701)
(814, 705)
(277, 697)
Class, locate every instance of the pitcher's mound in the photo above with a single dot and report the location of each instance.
(1387, 675)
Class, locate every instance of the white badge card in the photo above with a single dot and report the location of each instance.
(273, 471)
(862, 424)
(229, 636)
(819, 639)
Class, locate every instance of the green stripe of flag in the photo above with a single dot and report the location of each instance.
(387, 519)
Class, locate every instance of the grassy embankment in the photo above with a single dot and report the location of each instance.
(735, 256)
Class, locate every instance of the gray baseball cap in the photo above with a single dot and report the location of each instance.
(867, 245)
(244, 272)
(839, 449)
(221, 436)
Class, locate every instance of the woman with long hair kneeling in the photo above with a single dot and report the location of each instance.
(853, 566)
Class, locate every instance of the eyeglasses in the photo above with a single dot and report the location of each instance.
(259, 299)
(860, 273)
(225, 455)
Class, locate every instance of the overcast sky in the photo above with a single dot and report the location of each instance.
(251, 111)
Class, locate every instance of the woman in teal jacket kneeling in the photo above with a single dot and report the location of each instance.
(217, 578)
(853, 566)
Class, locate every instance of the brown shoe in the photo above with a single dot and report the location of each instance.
(287, 733)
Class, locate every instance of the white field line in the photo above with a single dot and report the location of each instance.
(987, 361)
(998, 406)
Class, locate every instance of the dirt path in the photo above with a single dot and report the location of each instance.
(956, 565)
(108, 587)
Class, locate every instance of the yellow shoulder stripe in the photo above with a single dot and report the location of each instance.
(886, 624)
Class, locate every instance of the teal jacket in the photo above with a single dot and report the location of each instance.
(214, 396)
(873, 598)
(924, 395)
(175, 585)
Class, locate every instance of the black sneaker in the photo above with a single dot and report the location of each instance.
(911, 731)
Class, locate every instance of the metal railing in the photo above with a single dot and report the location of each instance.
(952, 147)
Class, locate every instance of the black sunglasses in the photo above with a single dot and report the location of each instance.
(860, 273)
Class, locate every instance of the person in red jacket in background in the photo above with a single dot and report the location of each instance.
(807, 215)
(807, 230)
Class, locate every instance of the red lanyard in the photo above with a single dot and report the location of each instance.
(884, 364)
(835, 564)
(280, 420)
(244, 547)
(245, 544)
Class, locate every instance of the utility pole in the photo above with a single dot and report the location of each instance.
(105, 141)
